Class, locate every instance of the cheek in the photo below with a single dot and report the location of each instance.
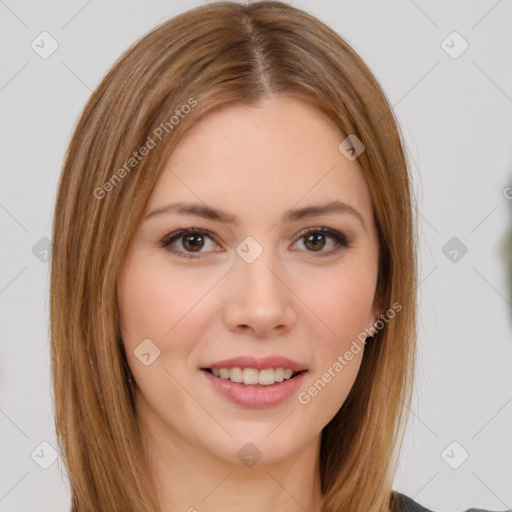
(341, 305)
(143, 299)
(342, 309)
(151, 299)
(166, 305)
(344, 306)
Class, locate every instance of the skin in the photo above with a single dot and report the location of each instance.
(255, 163)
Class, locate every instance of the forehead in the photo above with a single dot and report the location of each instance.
(256, 160)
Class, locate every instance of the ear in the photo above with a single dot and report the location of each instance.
(378, 306)
(377, 310)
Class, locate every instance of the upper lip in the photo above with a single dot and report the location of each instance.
(258, 363)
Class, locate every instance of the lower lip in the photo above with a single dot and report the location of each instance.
(256, 396)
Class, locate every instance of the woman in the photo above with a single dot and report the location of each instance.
(233, 277)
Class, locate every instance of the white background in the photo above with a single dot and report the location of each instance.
(456, 116)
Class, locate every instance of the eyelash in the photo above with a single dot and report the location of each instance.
(341, 239)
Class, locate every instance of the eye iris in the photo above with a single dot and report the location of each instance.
(315, 238)
(195, 246)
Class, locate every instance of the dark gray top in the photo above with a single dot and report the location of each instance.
(402, 503)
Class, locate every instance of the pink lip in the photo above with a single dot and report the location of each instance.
(255, 396)
(258, 363)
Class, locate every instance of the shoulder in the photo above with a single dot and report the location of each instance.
(402, 503)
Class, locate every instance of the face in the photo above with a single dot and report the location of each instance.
(261, 285)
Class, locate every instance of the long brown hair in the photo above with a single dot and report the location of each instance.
(215, 55)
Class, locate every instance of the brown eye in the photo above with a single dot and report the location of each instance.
(315, 240)
(192, 241)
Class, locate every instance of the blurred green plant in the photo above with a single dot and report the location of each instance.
(507, 252)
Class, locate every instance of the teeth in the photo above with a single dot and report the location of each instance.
(266, 377)
(235, 375)
(250, 375)
(253, 376)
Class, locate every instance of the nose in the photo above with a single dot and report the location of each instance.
(259, 298)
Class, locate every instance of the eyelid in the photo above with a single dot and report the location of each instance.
(334, 233)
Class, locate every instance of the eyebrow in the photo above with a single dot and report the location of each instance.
(290, 216)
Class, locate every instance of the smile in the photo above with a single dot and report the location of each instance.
(256, 395)
(253, 376)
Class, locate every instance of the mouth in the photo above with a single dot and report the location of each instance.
(253, 377)
(251, 387)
